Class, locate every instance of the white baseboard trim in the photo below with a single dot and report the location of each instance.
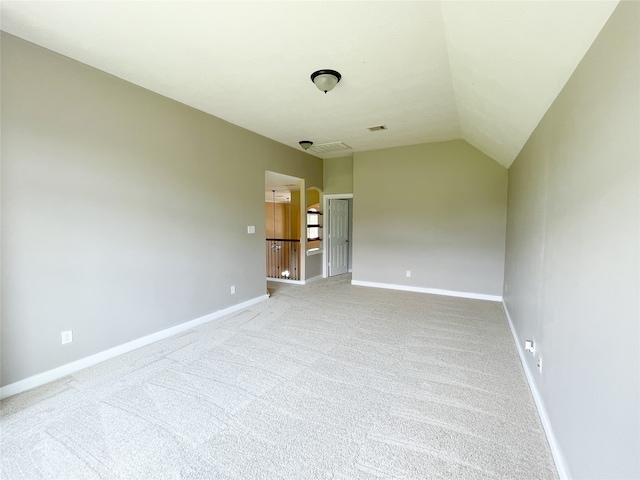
(284, 280)
(77, 365)
(434, 291)
(295, 282)
(554, 446)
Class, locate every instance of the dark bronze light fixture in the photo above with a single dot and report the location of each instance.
(306, 144)
(325, 80)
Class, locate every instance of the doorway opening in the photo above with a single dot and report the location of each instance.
(284, 201)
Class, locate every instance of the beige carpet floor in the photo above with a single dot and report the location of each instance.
(321, 381)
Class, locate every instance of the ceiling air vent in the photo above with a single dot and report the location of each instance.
(330, 147)
(377, 128)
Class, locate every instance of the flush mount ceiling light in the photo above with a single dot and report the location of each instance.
(325, 80)
(306, 144)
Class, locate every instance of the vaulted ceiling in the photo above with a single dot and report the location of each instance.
(484, 71)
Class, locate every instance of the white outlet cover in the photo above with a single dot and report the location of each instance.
(66, 336)
(251, 229)
(529, 346)
(233, 289)
(408, 273)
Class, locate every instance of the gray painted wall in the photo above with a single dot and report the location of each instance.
(572, 263)
(313, 266)
(438, 210)
(338, 175)
(123, 212)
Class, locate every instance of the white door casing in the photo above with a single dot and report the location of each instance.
(338, 237)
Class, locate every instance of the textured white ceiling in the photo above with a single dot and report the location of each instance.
(479, 70)
(510, 59)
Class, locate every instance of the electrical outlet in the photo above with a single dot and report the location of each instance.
(67, 336)
(540, 364)
(233, 289)
(529, 346)
(251, 229)
(408, 273)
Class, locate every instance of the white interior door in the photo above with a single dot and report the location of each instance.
(338, 237)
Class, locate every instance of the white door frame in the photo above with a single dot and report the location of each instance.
(325, 222)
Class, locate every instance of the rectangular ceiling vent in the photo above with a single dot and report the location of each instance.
(377, 128)
(330, 147)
